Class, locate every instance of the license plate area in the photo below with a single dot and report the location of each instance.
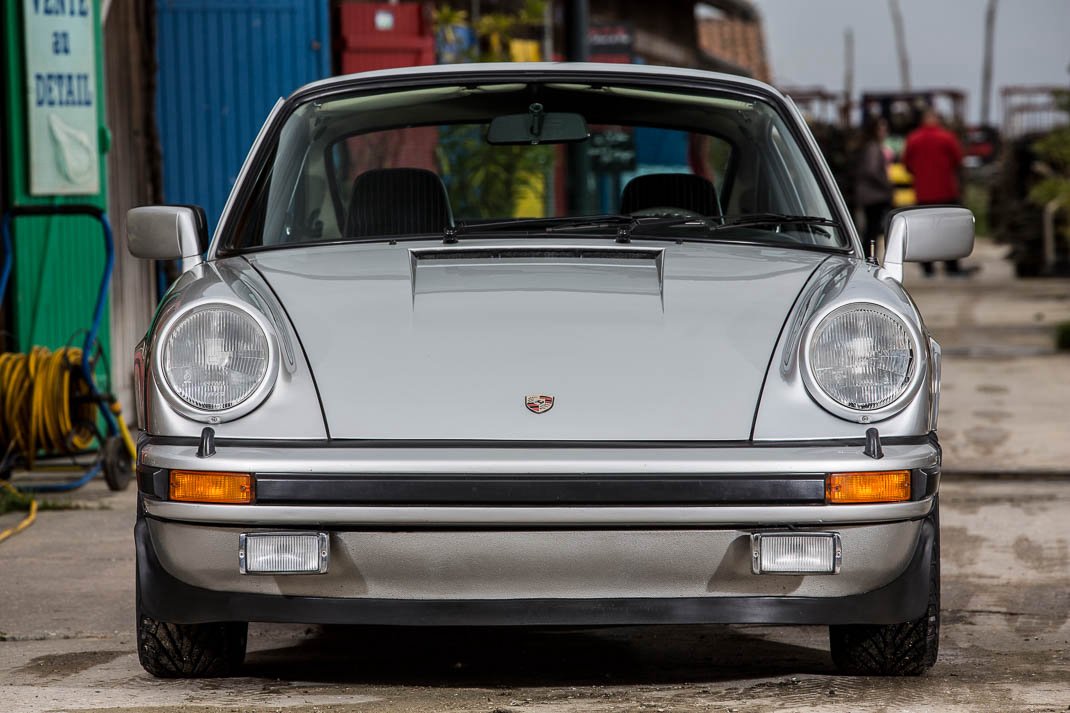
(796, 553)
(283, 552)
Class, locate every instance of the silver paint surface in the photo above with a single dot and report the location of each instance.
(291, 409)
(534, 564)
(449, 351)
(537, 459)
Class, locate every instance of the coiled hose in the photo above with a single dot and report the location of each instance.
(36, 412)
(41, 407)
(47, 406)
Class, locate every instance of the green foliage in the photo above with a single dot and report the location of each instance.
(11, 500)
(494, 30)
(1053, 150)
(1062, 336)
(975, 196)
(485, 181)
(16, 501)
(488, 181)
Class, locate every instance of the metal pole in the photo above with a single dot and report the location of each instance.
(547, 33)
(900, 44)
(986, 63)
(579, 163)
(549, 201)
(848, 75)
(576, 22)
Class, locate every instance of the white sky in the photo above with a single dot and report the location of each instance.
(944, 42)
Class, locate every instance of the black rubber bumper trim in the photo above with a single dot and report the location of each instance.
(651, 489)
(167, 598)
(623, 489)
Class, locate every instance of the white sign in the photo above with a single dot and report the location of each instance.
(61, 87)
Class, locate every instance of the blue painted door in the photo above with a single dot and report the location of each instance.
(222, 66)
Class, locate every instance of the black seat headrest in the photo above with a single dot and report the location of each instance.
(670, 190)
(397, 201)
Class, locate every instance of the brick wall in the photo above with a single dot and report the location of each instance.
(737, 41)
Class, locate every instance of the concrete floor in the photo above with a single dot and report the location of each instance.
(66, 586)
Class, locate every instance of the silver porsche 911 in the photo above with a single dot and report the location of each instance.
(538, 345)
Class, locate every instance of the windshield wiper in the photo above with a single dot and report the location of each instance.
(778, 219)
(714, 224)
(553, 224)
(628, 224)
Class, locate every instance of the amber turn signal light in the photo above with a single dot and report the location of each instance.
(199, 486)
(884, 486)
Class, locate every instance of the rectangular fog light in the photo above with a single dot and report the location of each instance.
(795, 553)
(283, 552)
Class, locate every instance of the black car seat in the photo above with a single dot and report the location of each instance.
(397, 201)
(685, 191)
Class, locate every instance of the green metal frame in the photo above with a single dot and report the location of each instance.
(58, 260)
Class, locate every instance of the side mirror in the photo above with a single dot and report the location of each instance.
(168, 232)
(927, 233)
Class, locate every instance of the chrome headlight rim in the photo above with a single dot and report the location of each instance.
(827, 402)
(251, 402)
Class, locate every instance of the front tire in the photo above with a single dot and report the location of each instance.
(169, 650)
(906, 649)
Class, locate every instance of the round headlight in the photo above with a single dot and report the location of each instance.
(215, 357)
(862, 357)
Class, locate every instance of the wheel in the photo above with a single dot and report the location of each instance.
(169, 650)
(116, 463)
(907, 649)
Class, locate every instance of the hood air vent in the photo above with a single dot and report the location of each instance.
(587, 269)
(535, 253)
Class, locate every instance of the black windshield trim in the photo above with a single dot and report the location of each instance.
(436, 237)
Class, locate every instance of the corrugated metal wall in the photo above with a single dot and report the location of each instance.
(133, 177)
(223, 63)
(58, 264)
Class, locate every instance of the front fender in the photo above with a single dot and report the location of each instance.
(292, 409)
(786, 411)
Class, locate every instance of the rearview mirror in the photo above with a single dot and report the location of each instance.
(168, 232)
(925, 234)
(537, 127)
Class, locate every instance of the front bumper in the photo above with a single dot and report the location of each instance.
(583, 552)
(164, 596)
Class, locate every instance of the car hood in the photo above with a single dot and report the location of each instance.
(653, 341)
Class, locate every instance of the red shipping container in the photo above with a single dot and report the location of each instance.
(375, 35)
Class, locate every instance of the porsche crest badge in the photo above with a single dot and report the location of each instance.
(539, 403)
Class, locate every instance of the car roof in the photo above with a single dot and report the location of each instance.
(594, 69)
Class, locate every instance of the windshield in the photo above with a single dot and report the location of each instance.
(538, 157)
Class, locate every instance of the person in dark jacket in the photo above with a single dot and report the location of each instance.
(873, 188)
(934, 157)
